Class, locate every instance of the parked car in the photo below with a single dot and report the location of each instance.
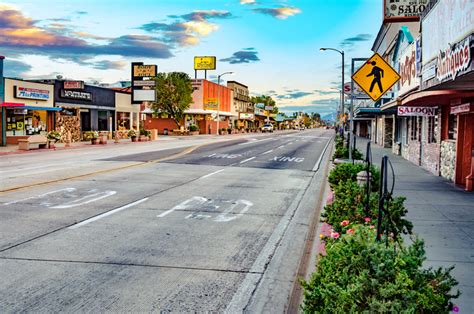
(267, 128)
(302, 128)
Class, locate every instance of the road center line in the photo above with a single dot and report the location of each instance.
(248, 159)
(88, 221)
(268, 152)
(211, 174)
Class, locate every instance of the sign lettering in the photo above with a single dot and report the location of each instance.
(399, 10)
(205, 63)
(451, 62)
(31, 93)
(76, 95)
(73, 85)
(144, 70)
(416, 111)
(461, 109)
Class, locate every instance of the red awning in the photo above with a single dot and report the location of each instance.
(12, 104)
(434, 97)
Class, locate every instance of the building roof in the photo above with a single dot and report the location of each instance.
(237, 83)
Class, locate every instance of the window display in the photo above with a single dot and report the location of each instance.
(23, 122)
(123, 121)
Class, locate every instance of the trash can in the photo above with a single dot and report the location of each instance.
(154, 134)
(165, 131)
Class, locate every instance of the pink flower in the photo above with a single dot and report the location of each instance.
(350, 231)
(367, 219)
(335, 235)
(372, 227)
(344, 223)
(455, 309)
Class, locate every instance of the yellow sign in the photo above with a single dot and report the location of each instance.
(144, 70)
(19, 126)
(375, 77)
(204, 63)
(211, 101)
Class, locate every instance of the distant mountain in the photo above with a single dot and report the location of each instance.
(329, 117)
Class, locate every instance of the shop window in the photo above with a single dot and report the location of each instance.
(433, 129)
(415, 127)
(123, 121)
(453, 127)
(23, 122)
(102, 116)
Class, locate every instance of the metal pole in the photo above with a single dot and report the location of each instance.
(350, 112)
(218, 94)
(2, 90)
(342, 90)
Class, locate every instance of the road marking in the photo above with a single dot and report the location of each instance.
(228, 156)
(256, 141)
(41, 195)
(86, 199)
(248, 159)
(226, 216)
(195, 199)
(211, 174)
(88, 221)
(287, 159)
(318, 163)
(268, 152)
(281, 146)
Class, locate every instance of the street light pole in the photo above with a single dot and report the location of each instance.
(341, 108)
(218, 97)
(2, 97)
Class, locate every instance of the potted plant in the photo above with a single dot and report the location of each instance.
(103, 137)
(53, 137)
(133, 135)
(144, 134)
(91, 136)
(229, 130)
(193, 129)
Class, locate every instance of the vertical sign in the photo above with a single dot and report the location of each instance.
(2, 97)
(139, 93)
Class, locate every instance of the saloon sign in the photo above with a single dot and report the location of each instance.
(403, 10)
(416, 111)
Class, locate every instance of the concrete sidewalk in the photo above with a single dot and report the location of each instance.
(442, 214)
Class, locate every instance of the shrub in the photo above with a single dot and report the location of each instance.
(359, 274)
(193, 128)
(347, 171)
(343, 153)
(132, 133)
(349, 204)
(145, 132)
(89, 135)
(53, 136)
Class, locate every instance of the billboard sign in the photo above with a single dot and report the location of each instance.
(404, 111)
(205, 63)
(409, 79)
(403, 10)
(31, 93)
(144, 95)
(260, 106)
(144, 70)
(151, 83)
(73, 85)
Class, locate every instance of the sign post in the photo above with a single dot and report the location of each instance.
(140, 71)
(2, 97)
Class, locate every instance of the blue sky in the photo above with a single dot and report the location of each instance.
(272, 46)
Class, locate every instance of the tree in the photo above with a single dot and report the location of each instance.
(267, 100)
(173, 95)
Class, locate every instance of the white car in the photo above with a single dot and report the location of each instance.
(302, 128)
(267, 128)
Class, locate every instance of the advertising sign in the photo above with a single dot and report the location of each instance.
(246, 116)
(73, 85)
(210, 104)
(144, 70)
(453, 60)
(31, 93)
(409, 79)
(269, 108)
(144, 83)
(144, 95)
(464, 108)
(416, 111)
(375, 77)
(448, 22)
(205, 63)
(403, 10)
(260, 106)
(76, 95)
(358, 92)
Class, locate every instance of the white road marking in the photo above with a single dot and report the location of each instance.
(196, 199)
(318, 163)
(287, 159)
(248, 159)
(281, 146)
(268, 152)
(86, 199)
(256, 141)
(226, 216)
(228, 156)
(211, 174)
(41, 195)
(88, 221)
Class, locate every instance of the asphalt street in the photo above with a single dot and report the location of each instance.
(220, 227)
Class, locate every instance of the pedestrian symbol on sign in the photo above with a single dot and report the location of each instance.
(378, 75)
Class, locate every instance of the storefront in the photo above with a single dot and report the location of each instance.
(90, 108)
(29, 109)
(127, 115)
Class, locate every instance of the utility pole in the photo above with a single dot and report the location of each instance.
(218, 97)
(2, 98)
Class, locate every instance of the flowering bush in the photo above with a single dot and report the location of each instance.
(53, 136)
(90, 135)
(132, 133)
(348, 172)
(359, 274)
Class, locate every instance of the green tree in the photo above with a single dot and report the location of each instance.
(267, 100)
(173, 95)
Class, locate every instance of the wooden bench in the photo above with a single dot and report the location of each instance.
(34, 141)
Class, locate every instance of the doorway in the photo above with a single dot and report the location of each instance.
(465, 146)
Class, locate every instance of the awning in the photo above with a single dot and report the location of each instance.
(434, 97)
(367, 112)
(34, 108)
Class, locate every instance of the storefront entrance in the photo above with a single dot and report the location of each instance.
(465, 146)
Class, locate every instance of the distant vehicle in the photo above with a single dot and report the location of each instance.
(267, 128)
(302, 128)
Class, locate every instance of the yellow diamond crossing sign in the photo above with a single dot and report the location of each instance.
(375, 77)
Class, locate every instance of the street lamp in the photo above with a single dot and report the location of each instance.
(218, 96)
(342, 83)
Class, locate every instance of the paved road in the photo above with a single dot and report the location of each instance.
(221, 228)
